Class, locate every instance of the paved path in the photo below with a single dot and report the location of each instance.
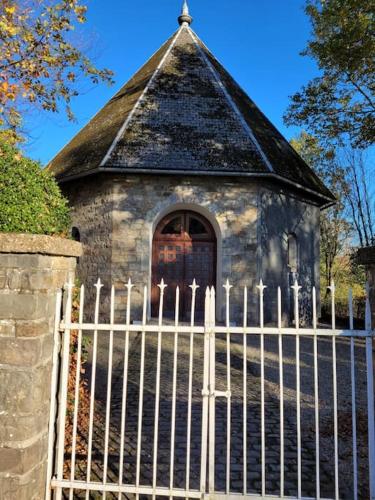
(272, 422)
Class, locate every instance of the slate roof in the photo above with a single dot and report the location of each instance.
(183, 113)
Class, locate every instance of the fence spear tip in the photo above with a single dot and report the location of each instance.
(227, 286)
(261, 287)
(162, 285)
(194, 286)
(296, 287)
(69, 285)
(99, 284)
(129, 285)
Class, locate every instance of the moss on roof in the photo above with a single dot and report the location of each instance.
(87, 149)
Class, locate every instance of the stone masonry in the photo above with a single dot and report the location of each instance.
(366, 256)
(117, 215)
(32, 268)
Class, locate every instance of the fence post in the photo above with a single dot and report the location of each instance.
(370, 398)
(32, 269)
(205, 391)
(212, 389)
(63, 395)
(53, 405)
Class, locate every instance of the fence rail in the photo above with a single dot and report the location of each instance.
(215, 417)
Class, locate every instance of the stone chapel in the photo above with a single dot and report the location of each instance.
(180, 176)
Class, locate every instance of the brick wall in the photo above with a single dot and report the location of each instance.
(28, 284)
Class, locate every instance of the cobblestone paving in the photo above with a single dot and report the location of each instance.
(253, 420)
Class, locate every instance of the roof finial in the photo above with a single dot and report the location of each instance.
(185, 18)
(185, 8)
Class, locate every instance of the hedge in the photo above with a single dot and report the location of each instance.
(30, 199)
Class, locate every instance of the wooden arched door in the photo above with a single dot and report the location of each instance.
(184, 249)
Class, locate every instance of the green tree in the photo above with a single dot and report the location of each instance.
(340, 103)
(40, 59)
(334, 228)
(359, 193)
(30, 199)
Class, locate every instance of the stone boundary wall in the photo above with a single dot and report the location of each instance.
(32, 269)
(366, 257)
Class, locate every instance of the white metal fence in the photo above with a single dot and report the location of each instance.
(220, 432)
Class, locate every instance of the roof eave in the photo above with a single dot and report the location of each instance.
(326, 200)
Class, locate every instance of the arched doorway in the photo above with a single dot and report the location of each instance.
(183, 249)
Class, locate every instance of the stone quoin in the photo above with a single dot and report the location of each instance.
(182, 138)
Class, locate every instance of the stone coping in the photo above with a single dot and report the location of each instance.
(39, 244)
(366, 255)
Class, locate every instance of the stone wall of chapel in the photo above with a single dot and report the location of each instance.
(138, 203)
(281, 215)
(116, 216)
(91, 205)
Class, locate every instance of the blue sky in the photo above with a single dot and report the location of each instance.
(259, 42)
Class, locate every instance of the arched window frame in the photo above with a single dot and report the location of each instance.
(76, 235)
(293, 257)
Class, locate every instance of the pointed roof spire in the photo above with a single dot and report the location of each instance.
(185, 8)
(185, 18)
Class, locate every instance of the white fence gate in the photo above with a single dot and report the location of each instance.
(258, 414)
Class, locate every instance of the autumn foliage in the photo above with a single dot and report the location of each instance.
(41, 61)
